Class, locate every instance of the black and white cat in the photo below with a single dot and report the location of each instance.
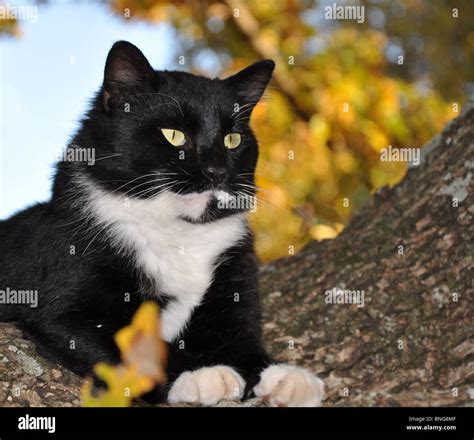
(145, 222)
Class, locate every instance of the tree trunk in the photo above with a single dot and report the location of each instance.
(409, 342)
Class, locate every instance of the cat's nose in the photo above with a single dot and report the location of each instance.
(216, 174)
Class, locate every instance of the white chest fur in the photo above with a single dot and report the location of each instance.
(178, 256)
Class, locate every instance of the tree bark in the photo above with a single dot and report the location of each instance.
(411, 342)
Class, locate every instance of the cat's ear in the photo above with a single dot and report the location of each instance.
(126, 67)
(250, 83)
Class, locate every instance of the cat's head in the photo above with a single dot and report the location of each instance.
(169, 131)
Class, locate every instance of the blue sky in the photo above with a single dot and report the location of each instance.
(47, 77)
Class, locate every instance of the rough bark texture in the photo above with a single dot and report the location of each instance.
(411, 343)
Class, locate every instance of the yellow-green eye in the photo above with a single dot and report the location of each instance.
(232, 140)
(174, 137)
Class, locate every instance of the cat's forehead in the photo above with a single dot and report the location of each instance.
(193, 90)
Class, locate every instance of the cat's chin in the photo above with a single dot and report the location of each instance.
(206, 206)
(194, 205)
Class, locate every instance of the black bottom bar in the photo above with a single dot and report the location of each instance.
(406, 422)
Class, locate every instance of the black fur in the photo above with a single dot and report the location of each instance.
(79, 291)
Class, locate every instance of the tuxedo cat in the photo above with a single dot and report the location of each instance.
(145, 221)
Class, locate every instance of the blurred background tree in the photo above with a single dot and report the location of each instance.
(342, 91)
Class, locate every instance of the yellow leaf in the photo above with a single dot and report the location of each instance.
(143, 354)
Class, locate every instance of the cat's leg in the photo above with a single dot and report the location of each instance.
(74, 344)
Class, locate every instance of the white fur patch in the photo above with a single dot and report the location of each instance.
(285, 385)
(207, 386)
(180, 257)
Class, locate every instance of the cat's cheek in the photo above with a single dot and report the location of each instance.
(286, 385)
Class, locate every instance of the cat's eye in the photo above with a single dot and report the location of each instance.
(232, 140)
(174, 137)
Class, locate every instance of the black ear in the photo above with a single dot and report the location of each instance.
(250, 83)
(126, 67)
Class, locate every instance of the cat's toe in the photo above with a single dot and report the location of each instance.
(207, 386)
(285, 385)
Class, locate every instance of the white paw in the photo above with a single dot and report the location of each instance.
(207, 386)
(285, 385)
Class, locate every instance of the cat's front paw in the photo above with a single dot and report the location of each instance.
(207, 386)
(285, 385)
